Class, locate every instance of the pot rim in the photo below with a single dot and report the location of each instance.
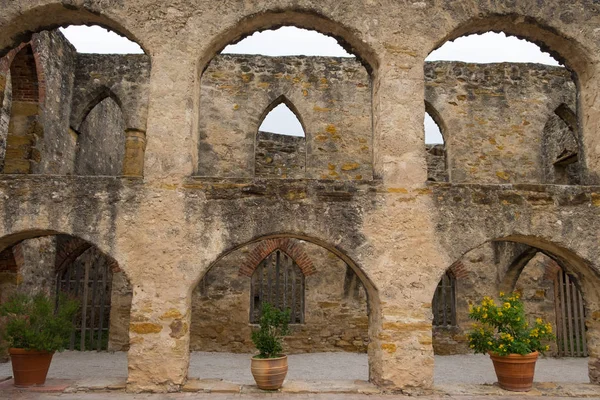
(19, 350)
(281, 356)
(515, 355)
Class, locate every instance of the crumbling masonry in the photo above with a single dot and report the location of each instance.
(153, 164)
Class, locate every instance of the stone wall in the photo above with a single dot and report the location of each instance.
(331, 97)
(335, 307)
(280, 156)
(101, 141)
(57, 58)
(501, 111)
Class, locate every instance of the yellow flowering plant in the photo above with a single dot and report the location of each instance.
(503, 329)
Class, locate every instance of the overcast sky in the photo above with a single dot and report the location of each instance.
(487, 48)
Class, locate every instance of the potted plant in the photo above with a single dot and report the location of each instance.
(503, 332)
(35, 327)
(270, 366)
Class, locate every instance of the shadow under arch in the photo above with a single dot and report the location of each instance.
(55, 15)
(306, 19)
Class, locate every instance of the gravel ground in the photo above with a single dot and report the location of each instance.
(476, 369)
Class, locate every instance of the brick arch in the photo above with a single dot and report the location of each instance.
(266, 247)
(70, 248)
(459, 270)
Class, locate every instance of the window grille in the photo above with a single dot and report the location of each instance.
(89, 280)
(444, 302)
(279, 281)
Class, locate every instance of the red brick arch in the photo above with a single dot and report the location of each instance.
(70, 248)
(459, 270)
(291, 247)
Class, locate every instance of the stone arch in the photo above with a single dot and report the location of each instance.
(268, 246)
(587, 278)
(434, 152)
(90, 101)
(39, 260)
(22, 23)
(25, 130)
(269, 160)
(299, 18)
(231, 159)
(566, 49)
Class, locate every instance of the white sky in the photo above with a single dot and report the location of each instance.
(486, 48)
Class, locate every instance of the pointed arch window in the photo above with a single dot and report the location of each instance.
(444, 302)
(435, 145)
(279, 281)
(280, 142)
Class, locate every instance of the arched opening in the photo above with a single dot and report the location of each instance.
(435, 145)
(488, 88)
(330, 320)
(101, 140)
(57, 263)
(330, 92)
(554, 285)
(560, 148)
(56, 117)
(25, 130)
(280, 149)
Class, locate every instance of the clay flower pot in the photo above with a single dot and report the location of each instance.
(514, 371)
(269, 373)
(30, 367)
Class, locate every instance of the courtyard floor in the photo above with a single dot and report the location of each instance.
(465, 375)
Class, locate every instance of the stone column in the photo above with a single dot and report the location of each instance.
(159, 336)
(135, 146)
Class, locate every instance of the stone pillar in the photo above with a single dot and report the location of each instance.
(399, 112)
(159, 336)
(135, 146)
(400, 351)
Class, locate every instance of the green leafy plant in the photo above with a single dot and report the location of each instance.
(268, 339)
(503, 329)
(33, 322)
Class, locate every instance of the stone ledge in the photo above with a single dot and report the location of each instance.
(540, 389)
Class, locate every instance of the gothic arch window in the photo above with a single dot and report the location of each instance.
(280, 150)
(279, 281)
(444, 302)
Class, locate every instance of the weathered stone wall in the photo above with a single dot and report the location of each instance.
(501, 111)
(56, 65)
(101, 141)
(335, 307)
(397, 232)
(5, 108)
(436, 163)
(331, 96)
(280, 156)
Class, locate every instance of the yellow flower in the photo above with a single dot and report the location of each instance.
(484, 316)
(501, 294)
(507, 305)
(489, 343)
(518, 319)
(501, 346)
(547, 348)
(499, 313)
(472, 346)
(538, 320)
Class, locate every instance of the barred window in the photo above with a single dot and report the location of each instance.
(279, 281)
(444, 302)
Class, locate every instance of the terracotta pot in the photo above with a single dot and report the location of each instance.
(269, 373)
(30, 367)
(514, 371)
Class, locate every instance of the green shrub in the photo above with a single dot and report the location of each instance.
(34, 323)
(503, 329)
(268, 339)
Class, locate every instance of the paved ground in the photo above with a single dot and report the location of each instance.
(472, 369)
(216, 396)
